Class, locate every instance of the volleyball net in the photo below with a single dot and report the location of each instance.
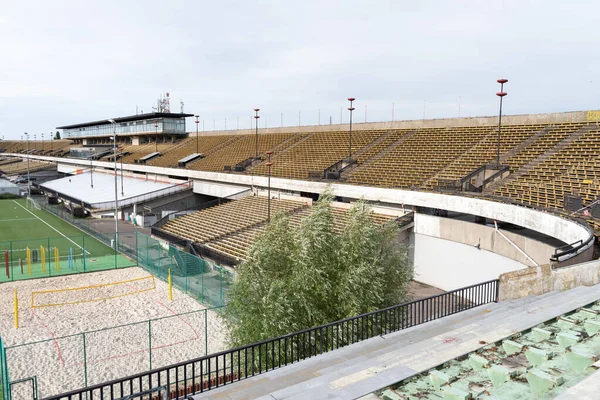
(91, 293)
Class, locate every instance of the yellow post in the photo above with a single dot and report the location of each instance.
(56, 259)
(16, 310)
(28, 261)
(170, 286)
(43, 259)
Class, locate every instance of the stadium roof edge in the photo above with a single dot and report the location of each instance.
(129, 118)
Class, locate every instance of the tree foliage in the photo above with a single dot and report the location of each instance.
(299, 277)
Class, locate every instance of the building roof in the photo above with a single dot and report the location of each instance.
(138, 117)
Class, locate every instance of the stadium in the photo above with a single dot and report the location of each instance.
(119, 256)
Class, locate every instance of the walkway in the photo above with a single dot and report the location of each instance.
(363, 368)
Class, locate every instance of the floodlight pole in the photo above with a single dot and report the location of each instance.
(197, 141)
(269, 163)
(500, 94)
(42, 143)
(112, 121)
(350, 99)
(256, 117)
(28, 180)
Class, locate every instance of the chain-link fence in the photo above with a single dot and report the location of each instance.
(53, 256)
(4, 380)
(70, 362)
(193, 275)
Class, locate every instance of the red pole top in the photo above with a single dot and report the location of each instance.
(351, 108)
(257, 109)
(269, 152)
(351, 99)
(501, 94)
(257, 116)
(502, 80)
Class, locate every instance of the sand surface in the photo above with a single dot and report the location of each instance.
(111, 350)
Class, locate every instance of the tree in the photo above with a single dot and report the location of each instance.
(57, 136)
(297, 277)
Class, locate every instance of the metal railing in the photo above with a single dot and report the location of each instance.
(219, 369)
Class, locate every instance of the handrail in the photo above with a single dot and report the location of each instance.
(225, 367)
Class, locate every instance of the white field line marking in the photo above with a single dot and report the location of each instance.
(16, 219)
(50, 226)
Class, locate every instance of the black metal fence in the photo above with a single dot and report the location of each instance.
(215, 370)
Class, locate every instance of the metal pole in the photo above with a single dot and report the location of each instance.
(122, 192)
(256, 117)
(500, 94)
(112, 121)
(393, 105)
(269, 163)
(155, 136)
(91, 172)
(197, 140)
(28, 180)
(351, 100)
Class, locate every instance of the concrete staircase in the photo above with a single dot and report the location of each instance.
(545, 156)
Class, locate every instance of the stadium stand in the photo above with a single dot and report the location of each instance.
(239, 149)
(214, 222)
(570, 167)
(206, 146)
(54, 148)
(21, 167)
(237, 243)
(417, 158)
(315, 152)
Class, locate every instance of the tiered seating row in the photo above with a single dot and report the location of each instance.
(238, 151)
(205, 145)
(574, 170)
(227, 218)
(486, 151)
(38, 147)
(316, 152)
(21, 167)
(418, 158)
(237, 244)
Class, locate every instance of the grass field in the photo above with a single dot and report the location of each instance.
(23, 229)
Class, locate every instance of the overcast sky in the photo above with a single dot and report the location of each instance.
(66, 62)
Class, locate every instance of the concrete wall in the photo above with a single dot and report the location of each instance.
(544, 279)
(549, 118)
(471, 234)
(449, 265)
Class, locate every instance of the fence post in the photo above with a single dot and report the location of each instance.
(12, 272)
(85, 380)
(150, 342)
(206, 334)
(137, 257)
(83, 243)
